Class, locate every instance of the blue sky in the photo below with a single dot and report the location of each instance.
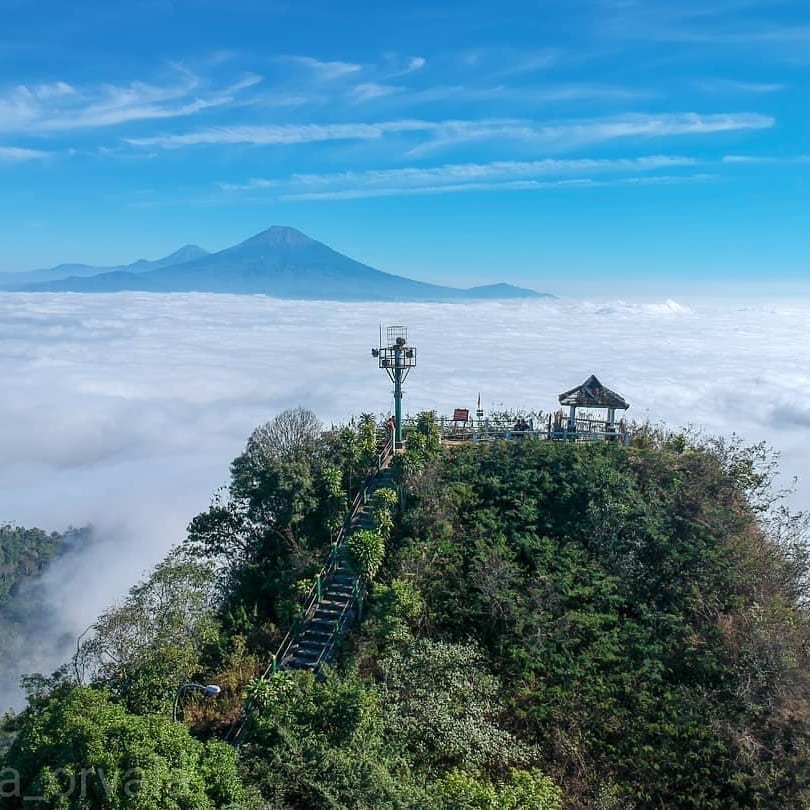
(592, 144)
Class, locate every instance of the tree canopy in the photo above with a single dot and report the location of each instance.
(81, 750)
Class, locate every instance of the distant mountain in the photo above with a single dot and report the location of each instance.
(281, 262)
(12, 281)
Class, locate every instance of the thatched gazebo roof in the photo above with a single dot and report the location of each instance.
(592, 394)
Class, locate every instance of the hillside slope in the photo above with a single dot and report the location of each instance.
(548, 624)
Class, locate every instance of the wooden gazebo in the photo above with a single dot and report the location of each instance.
(592, 394)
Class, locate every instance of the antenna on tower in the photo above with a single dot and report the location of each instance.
(397, 358)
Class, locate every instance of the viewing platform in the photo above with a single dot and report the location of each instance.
(580, 424)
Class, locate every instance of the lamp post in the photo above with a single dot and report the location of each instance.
(210, 690)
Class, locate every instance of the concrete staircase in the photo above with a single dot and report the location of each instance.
(340, 595)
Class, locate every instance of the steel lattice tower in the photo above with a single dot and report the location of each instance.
(397, 358)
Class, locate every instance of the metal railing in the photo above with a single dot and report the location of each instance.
(337, 632)
(586, 430)
(313, 596)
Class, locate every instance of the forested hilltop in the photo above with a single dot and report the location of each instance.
(24, 555)
(26, 617)
(547, 624)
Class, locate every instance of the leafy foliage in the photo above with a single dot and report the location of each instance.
(523, 789)
(397, 610)
(149, 644)
(442, 706)
(320, 744)
(80, 750)
(630, 601)
(365, 549)
(273, 526)
(423, 443)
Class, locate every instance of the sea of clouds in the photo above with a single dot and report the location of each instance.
(123, 411)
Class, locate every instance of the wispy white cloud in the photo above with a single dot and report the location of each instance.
(728, 86)
(753, 159)
(571, 134)
(651, 125)
(524, 94)
(452, 175)
(753, 34)
(394, 66)
(750, 159)
(326, 71)
(368, 91)
(59, 107)
(274, 134)
(520, 64)
(500, 186)
(565, 134)
(416, 63)
(51, 91)
(17, 154)
(732, 24)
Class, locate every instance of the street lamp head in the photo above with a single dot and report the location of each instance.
(212, 690)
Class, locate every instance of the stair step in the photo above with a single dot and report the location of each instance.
(321, 624)
(346, 588)
(296, 663)
(299, 656)
(315, 634)
(336, 608)
(309, 647)
(335, 620)
(342, 596)
(335, 598)
(338, 597)
(328, 612)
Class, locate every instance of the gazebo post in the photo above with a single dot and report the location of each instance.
(572, 419)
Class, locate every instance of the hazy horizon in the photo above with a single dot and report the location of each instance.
(566, 287)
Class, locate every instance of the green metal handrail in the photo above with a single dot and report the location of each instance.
(313, 596)
(327, 649)
(332, 561)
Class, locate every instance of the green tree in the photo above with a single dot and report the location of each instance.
(644, 613)
(145, 647)
(365, 550)
(442, 705)
(320, 743)
(80, 750)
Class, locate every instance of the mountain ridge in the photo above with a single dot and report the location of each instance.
(281, 262)
(10, 281)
